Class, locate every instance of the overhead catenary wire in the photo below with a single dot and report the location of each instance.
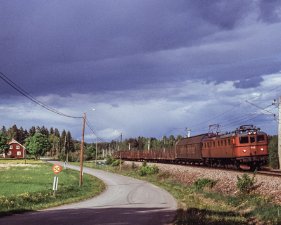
(33, 99)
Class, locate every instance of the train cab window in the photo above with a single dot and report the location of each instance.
(244, 139)
(228, 141)
(260, 138)
(252, 139)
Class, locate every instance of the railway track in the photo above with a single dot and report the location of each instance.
(269, 172)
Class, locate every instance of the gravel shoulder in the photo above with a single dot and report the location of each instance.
(226, 179)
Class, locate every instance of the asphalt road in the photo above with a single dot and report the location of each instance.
(125, 201)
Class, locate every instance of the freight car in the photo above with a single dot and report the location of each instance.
(247, 145)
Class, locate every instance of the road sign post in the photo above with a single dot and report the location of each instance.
(55, 184)
(56, 169)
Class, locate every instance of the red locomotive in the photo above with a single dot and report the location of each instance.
(247, 145)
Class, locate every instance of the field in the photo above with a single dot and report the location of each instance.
(28, 186)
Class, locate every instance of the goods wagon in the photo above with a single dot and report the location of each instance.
(190, 148)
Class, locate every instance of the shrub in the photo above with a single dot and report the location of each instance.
(109, 160)
(116, 162)
(144, 164)
(148, 170)
(200, 184)
(245, 184)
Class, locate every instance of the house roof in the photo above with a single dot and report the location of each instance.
(13, 141)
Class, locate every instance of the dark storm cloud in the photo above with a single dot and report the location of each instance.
(270, 10)
(95, 46)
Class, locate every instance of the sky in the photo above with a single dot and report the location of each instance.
(148, 67)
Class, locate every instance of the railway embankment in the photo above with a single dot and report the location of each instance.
(226, 180)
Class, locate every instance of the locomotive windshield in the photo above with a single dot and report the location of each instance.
(251, 139)
(244, 139)
(261, 138)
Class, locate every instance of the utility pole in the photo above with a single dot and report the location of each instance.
(279, 131)
(120, 163)
(96, 150)
(82, 151)
(164, 143)
(64, 148)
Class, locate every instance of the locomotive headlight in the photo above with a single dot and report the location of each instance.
(261, 149)
(244, 150)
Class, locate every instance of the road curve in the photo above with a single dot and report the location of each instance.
(125, 201)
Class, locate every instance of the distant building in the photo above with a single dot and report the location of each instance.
(16, 150)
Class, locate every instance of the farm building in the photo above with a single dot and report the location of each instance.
(16, 150)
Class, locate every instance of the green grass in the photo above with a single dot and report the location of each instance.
(20, 161)
(199, 205)
(29, 187)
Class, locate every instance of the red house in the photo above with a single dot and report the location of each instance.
(16, 150)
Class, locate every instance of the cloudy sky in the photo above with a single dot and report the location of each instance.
(148, 67)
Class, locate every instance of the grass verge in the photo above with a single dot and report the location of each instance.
(199, 204)
(28, 187)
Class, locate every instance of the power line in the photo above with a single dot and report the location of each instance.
(31, 98)
(264, 109)
(99, 138)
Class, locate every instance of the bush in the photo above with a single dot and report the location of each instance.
(200, 184)
(148, 170)
(245, 184)
(144, 164)
(116, 162)
(109, 160)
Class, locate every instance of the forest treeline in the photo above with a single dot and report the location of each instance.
(41, 141)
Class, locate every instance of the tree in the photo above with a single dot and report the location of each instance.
(90, 152)
(4, 147)
(32, 131)
(273, 152)
(22, 135)
(57, 133)
(38, 144)
(54, 141)
(4, 130)
(13, 133)
(69, 142)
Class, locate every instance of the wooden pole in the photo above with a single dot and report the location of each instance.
(279, 132)
(96, 150)
(82, 152)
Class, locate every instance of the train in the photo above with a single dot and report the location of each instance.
(246, 146)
